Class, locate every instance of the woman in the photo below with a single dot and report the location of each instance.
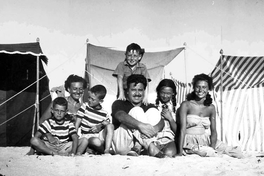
(197, 114)
(75, 85)
(166, 102)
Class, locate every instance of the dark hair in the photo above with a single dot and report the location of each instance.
(134, 46)
(136, 78)
(60, 101)
(202, 77)
(74, 78)
(167, 83)
(99, 90)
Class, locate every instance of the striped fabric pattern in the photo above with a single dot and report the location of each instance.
(239, 72)
(91, 117)
(242, 101)
(62, 132)
(182, 90)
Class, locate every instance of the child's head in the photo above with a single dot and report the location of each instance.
(166, 90)
(96, 95)
(134, 54)
(59, 108)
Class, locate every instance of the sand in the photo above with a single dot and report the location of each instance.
(15, 162)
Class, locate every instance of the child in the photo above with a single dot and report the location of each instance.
(166, 102)
(131, 65)
(59, 129)
(96, 129)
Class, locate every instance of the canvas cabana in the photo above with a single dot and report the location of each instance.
(24, 94)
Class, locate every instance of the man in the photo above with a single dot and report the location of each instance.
(134, 122)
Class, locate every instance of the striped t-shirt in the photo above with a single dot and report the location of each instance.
(91, 117)
(60, 131)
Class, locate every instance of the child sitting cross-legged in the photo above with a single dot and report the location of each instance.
(54, 134)
(96, 129)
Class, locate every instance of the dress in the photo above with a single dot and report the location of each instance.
(166, 135)
(197, 138)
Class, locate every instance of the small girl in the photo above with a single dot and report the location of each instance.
(166, 102)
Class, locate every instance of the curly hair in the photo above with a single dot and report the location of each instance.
(167, 83)
(202, 77)
(136, 78)
(74, 78)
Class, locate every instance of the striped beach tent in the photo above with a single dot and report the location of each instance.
(239, 87)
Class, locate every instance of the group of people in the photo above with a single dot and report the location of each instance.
(73, 126)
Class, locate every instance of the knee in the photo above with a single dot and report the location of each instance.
(34, 141)
(170, 153)
(110, 127)
(95, 141)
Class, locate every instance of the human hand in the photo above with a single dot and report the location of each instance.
(145, 101)
(121, 97)
(96, 129)
(147, 130)
(166, 113)
(52, 139)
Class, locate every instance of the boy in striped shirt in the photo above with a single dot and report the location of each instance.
(96, 129)
(58, 131)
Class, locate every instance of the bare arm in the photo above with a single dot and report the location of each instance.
(121, 95)
(131, 123)
(168, 116)
(183, 114)
(46, 115)
(213, 136)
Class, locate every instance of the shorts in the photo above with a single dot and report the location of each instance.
(62, 148)
(100, 135)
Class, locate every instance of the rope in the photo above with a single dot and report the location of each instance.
(31, 85)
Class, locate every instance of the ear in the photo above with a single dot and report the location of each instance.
(101, 101)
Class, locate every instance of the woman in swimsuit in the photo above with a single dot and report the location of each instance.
(198, 133)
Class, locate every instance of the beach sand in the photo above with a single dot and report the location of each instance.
(15, 162)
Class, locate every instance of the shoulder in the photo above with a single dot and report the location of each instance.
(141, 65)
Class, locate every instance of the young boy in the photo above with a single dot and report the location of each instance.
(131, 65)
(58, 130)
(96, 129)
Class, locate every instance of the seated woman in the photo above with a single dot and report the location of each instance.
(197, 114)
(75, 85)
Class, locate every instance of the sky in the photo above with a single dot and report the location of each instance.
(204, 26)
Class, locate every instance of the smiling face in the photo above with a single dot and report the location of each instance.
(201, 89)
(136, 93)
(133, 57)
(93, 99)
(165, 94)
(76, 90)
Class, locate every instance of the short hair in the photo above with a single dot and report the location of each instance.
(60, 101)
(99, 90)
(74, 78)
(136, 78)
(203, 77)
(134, 46)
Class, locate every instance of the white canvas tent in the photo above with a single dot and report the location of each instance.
(239, 87)
(102, 61)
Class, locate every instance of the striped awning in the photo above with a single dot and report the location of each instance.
(239, 72)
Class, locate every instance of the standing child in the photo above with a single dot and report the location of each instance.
(96, 129)
(131, 65)
(60, 130)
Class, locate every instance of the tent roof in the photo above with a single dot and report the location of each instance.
(23, 48)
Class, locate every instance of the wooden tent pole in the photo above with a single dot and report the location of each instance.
(185, 61)
(87, 64)
(221, 92)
